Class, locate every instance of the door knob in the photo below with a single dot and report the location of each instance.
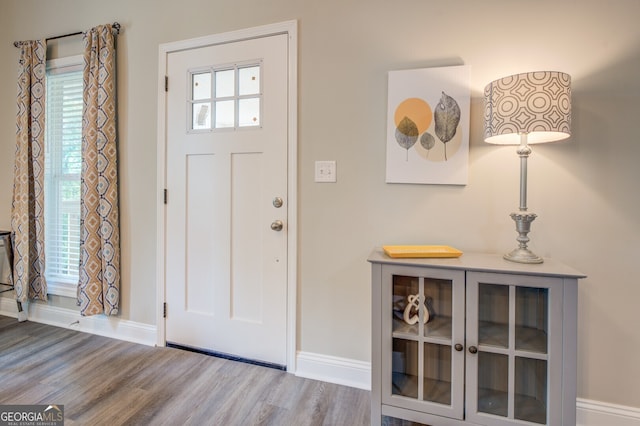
(473, 349)
(278, 202)
(277, 225)
(458, 347)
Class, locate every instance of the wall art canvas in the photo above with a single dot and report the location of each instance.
(428, 126)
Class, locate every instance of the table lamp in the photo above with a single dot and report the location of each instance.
(523, 109)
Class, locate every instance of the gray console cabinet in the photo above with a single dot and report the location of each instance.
(475, 340)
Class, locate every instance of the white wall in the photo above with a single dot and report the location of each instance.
(584, 190)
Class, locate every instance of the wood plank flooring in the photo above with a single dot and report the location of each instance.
(102, 381)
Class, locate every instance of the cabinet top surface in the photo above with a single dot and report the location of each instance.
(481, 262)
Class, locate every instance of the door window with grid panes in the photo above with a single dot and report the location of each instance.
(225, 98)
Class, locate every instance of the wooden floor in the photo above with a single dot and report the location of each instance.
(102, 381)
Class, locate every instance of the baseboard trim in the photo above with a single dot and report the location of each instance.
(327, 368)
(101, 325)
(597, 413)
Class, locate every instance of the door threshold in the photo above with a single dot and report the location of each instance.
(227, 356)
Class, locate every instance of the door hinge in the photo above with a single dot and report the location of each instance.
(164, 310)
(166, 83)
(165, 196)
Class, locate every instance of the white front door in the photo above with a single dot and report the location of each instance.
(226, 212)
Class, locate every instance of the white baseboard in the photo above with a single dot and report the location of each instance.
(341, 371)
(596, 413)
(101, 325)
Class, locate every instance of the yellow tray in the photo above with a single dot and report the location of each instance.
(421, 251)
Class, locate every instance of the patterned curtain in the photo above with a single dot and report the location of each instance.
(27, 209)
(99, 284)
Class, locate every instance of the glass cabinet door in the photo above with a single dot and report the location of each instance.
(425, 366)
(508, 357)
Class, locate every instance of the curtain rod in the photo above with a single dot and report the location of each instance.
(115, 26)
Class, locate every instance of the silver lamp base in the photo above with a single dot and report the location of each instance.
(523, 225)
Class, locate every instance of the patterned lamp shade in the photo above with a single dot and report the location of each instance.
(536, 103)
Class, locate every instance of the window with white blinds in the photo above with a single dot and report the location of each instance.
(63, 163)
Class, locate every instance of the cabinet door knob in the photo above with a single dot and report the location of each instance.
(277, 225)
(458, 347)
(473, 349)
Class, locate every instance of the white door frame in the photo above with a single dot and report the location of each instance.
(291, 29)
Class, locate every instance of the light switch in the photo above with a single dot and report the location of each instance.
(325, 171)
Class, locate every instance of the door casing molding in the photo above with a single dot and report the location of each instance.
(291, 29)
